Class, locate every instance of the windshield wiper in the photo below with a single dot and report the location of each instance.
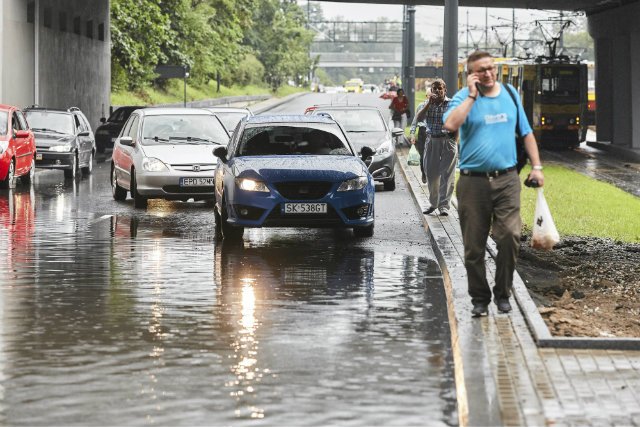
(195, 139)
(47, 130)
(156, 139)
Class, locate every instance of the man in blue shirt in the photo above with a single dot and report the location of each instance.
(488, 189)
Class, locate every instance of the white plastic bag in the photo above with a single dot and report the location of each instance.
(413, 159)
(545, 235)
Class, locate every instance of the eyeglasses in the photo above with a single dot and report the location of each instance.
(484, 70)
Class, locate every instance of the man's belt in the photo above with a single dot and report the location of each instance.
(490, 174)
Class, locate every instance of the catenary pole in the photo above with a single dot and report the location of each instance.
(450, 54)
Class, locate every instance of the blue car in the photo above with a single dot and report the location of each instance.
(292, 171)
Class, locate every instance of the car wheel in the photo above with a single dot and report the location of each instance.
(88, 169)
(28, 178)
(139, 201)
(218, 220)
(10, 179)
(73, 172)
(228, 231)
(366, 231)
(118, 192)
(390, 185)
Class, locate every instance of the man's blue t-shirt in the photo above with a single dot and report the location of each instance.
(487, 136)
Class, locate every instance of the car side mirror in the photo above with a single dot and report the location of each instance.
(221, 153)
(103, 120)
(22, 134)
(126, 140)
(366, 152)
(84, 133)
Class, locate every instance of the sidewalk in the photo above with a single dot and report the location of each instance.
(509, 370)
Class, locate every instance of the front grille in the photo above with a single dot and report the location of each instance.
(304, 190)
(207, 167)
(190, 190)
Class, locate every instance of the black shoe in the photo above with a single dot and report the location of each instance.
(480, 309)
(503, 305)
(444, 212)
(428, 211)
(424, 178)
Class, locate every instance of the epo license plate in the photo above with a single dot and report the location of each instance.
(305, 208)
(196, 182)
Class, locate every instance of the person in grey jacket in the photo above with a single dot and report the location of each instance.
(423, 129)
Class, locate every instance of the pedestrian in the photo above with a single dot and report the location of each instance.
(423, 129)
(440, 150)
(399, 109)
(488, 189)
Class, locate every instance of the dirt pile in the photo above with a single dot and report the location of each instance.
(585, 287)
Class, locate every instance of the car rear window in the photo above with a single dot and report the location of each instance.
(50, 121)
(279, 140)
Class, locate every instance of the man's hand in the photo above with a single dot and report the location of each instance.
(412, 139)
(537, 176)
(472, 80)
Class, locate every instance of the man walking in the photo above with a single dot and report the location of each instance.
(489, 187)
(423, 130)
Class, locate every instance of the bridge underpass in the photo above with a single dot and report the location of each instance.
(56, 53)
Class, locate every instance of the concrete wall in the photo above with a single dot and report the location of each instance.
(69, 69)
(617, 44)
(16, 54)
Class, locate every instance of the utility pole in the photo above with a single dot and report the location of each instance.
(561, 32)
(450, 54)
(513, 32)
(411, 58)
(467, 48)
(486, 28)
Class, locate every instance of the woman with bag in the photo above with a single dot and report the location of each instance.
(399, 107)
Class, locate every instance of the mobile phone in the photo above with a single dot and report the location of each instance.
(479, 89)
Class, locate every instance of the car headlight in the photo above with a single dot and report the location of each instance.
(61, 148)
(384, 148)
(3, 146)
(247, 184)
(354, 184)
(151, 164)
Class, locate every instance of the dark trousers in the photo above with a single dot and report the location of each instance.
(420, 143)
(484, 205)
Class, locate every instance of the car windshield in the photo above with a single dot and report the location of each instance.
(285, 139)
(50, 121)
(356, 120)
(230, 119)
(4, 121)
(183, 129)
(120, 115)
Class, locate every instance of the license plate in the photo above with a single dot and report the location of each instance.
(305, 208)
(38, 156)
(196, 182)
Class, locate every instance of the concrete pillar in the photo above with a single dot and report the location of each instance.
(450, 54)
(604, 89)
(621, 122)
(411, 58)
(634, 53)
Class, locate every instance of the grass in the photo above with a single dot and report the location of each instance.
(583, 206)
(175, 93)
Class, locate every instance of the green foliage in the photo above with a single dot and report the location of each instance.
(250, 71)
(583, 206)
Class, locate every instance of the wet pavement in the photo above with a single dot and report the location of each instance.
(113, 316)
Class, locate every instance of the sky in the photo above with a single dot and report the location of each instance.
(429, 19)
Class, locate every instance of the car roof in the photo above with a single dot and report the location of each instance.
(228, 109)
(162, 111)
(298, 118)
(344, 107)
(8, 107)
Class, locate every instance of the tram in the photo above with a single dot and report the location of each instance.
(555, 99)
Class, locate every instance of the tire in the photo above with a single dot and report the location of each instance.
(9, 181)
(390, 185)
(73, 173)
(218, 220)
(118, 192)
(229, 232)
(139, 202)
(87, 170)
(28, 178)
(366, 231)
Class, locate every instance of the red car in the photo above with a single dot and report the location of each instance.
(17, 147)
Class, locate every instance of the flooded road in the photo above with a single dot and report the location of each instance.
(113, 316)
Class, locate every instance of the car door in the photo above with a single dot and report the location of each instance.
(20, 145)
(125, 154)
(28, 143)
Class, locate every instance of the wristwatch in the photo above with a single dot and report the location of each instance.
(537, 168)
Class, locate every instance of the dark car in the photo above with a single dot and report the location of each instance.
(110, 128)
(64, 140)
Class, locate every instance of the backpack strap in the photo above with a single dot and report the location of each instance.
(513, 98)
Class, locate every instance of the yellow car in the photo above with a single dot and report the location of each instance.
(354, 85)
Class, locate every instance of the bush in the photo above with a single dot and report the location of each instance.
(250, 71)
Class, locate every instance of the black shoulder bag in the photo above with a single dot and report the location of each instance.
(521, 153)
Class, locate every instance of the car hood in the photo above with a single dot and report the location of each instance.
(182, 153)
(45, 139)
(368, 139)
(299, 168)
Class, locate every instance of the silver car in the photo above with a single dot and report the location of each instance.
(230, 116)
(365, 126)
(166, 153)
